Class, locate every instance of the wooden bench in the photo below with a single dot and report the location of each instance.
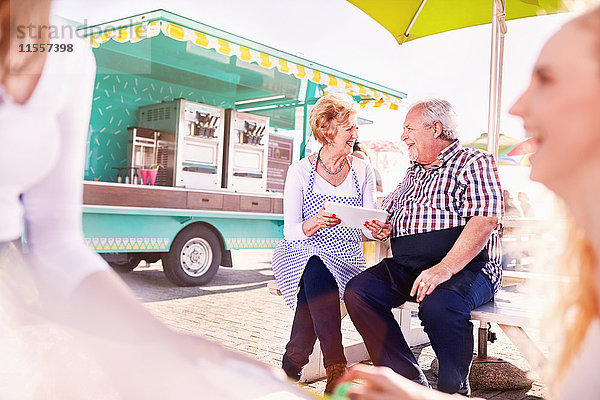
(511, 313)
(509, 310)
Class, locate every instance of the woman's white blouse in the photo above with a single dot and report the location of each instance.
(296, 184)
(42, 148)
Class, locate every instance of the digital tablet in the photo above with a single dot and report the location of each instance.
(353, 216)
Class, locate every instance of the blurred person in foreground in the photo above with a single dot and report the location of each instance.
(560, 112)
(444, 218)
(69, 327)
(317, 256)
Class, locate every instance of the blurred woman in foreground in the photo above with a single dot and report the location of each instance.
(561, 112)
(69, 327)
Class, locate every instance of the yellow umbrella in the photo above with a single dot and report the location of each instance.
(412, 19)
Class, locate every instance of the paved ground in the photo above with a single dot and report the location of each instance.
(236, 310)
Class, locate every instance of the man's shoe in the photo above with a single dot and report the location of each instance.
(291, 369)
(422, 380)
(293, 374)
(465, 390)
(294, 377)
(334, 372)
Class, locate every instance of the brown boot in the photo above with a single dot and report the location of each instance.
(334, 372)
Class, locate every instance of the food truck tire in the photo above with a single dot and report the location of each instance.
(194, 257)
(122, 262)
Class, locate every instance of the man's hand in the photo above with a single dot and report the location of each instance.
(470, 242)
(429, 279)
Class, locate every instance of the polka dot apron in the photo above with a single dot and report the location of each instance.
(338, 247)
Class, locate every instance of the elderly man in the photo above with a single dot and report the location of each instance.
(443, 225)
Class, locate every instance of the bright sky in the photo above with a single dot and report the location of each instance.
(453, 65)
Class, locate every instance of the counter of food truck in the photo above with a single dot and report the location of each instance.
(119, 194)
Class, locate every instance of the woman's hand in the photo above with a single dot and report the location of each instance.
(381, 383)
(323, 220)
(379, 230)
(326, 219)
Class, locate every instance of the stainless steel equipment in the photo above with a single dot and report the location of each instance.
(246, 147)
(146, 147)
(198, 130)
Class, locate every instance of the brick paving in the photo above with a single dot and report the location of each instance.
(237, 311)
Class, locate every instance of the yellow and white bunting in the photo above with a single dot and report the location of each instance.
(136, 33)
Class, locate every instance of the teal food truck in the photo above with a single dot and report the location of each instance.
(191, 134)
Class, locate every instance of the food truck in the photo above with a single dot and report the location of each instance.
(191, 134)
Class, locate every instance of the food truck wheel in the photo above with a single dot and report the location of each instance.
(122, 262)
(194, 257)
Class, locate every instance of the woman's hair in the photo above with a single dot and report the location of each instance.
(576, 304)
(330, 111)
(438, 110)
(5, 33)
(578, 300)
(16, 18)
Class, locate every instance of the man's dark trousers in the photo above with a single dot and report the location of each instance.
(445, 314)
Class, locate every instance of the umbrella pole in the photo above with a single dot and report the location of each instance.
(499, 92)
(498, 31)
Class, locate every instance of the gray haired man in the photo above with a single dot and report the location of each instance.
(443, 220)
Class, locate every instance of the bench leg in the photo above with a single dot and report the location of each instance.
(482, 339)
(519, 338)
(413, 336)
(526, 346)
(314, 369)
(490, 373)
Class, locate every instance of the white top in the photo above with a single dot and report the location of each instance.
(42, 148)
(582, 381)
(296, 185)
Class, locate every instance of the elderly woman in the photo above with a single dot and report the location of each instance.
(317, 257)
(560, 112)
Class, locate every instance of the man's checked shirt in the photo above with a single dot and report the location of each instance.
(465, 185)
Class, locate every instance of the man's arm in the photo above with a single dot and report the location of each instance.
(473, 238)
